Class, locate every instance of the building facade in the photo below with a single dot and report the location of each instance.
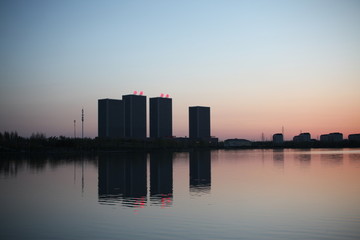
(135, 116)
(331, 137)
(110, 118)
(160, 117)
(278, 138)
(354, 137)
(199, 122)
(303, 137)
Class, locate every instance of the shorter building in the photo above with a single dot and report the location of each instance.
(199, 122)
(331, 137)
(278, 138)
(354, 137)
(234, 143)
(302, 137)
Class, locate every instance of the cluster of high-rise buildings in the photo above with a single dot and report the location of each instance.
(126, 118)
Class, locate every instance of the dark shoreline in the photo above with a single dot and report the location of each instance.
(38, 143)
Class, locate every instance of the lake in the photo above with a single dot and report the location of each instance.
(218, 194)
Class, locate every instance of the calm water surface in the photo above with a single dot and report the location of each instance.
(237, 194)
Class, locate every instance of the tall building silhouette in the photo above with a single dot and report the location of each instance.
(199, 122)
(135, 116)
(110, 118)
(160, 117)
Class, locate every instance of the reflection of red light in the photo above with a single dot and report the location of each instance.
(139, 203)
(135, 92)
(167, 95)
(162, 95)
(166, 200)
(141, 92)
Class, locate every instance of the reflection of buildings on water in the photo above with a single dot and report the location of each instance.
(354, 159)
(303, 159)
(122, 177)
(200, 171)
(161, 178)
(278, 157)
(334, 159)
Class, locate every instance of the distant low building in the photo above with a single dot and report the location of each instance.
(303, 137)
(278, 138)
(237, 143)
(331, 137)
(324, 138)
(354, 137)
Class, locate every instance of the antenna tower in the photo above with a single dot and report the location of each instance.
(82, 123)
(74, 128)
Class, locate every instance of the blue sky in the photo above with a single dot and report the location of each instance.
(259, 65)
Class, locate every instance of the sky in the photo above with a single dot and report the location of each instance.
(259, 65)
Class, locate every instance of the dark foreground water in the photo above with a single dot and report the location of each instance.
(242, 194)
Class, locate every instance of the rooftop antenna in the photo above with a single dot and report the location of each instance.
(82, 122)
(74, 128)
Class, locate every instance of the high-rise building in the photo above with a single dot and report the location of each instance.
(199, 122)
(110, 118)
(160, 117)
(135, 116)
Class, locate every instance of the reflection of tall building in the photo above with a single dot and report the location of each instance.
(160, 117)
(200, 170)
(304, 159)
(135, 116)
(278, 157)
(161, 177)
(122, 177)
(110, 118)
(199, 122)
